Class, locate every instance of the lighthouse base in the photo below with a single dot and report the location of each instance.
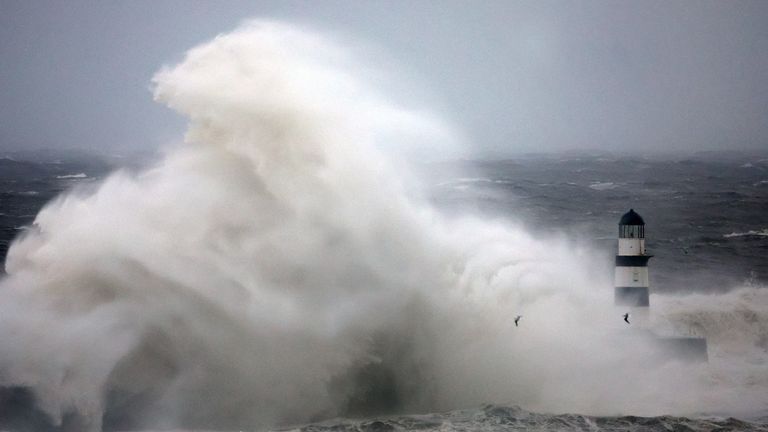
(690, 349)
(661, 349)
(631, 296)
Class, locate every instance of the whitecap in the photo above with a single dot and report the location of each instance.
(603, 186)
(464, 181)
(750, 233)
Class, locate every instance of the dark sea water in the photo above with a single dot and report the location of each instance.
(494, 418)
(706, 214)
(29, 179)
(706, 222)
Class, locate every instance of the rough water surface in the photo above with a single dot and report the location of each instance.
(282, 267)
(493, 418)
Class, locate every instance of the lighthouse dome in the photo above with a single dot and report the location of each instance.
(631, 218)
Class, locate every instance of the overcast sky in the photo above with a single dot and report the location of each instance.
(512, 76)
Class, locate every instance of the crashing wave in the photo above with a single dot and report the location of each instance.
(277, 269)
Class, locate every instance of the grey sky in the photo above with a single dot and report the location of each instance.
(513, 76)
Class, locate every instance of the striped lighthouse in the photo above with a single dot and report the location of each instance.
(631, 276)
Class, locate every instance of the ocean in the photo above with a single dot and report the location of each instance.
(284, 269)
(706, 227)
(493, 418)
(705, 212)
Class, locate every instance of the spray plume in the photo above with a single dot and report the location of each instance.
(275, 270)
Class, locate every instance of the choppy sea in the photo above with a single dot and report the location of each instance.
(706, 214)
(502, 418)
(706, 220)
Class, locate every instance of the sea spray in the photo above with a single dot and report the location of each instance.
(276, 269)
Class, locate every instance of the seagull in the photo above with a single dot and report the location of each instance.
(517, 319)
(626, 317)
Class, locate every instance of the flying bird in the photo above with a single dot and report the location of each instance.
(517, 319)
(626, 317)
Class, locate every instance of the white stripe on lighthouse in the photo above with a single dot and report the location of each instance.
(631, 277)
(631, 246)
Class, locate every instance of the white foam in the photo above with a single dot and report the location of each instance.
(750, 233)
(73, 176)
(466, 181)
(254, 275)
(601, 186)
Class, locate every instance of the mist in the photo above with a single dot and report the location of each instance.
(281, 267)
(514, 77)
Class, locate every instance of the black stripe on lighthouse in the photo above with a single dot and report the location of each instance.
(632, 260)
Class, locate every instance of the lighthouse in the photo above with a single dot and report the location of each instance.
(631, 275)
(631, 294)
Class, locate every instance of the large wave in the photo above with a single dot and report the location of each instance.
(277, 268)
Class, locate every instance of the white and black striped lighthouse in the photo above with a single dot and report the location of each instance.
(631, 277)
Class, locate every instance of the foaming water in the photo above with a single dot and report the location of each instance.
(275, 269)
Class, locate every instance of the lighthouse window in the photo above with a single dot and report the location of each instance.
(631, 231)
(635, 275)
